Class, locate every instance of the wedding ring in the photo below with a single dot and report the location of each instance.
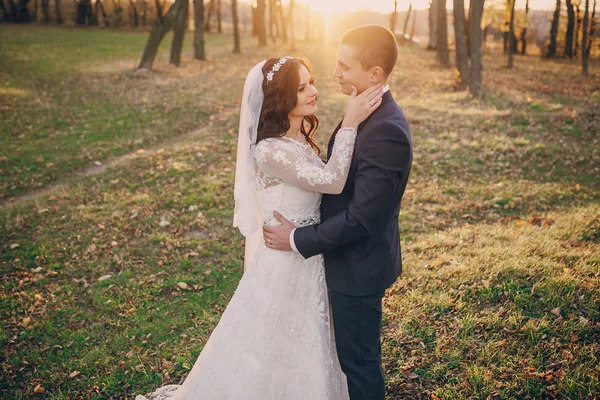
(372, 103)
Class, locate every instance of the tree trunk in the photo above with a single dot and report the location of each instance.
(21, 13)
(159, 9)
(219, 18)
(24, 15)
(578, 23)
(254, 20)
(511, 34)
(585, 54)
(476, 81)
(524, 32)
(433, 25)
(552, 47)
(179, 32)
(260, 22)
(59, 19)
(442, 22)
(144, 12)
(282, 22)
(80, 12)
(462, 56)
(394, 17)
(592, 33)
(405, 28)
(159, 29)
(199, 50)
(3, 12)
(133, 15)
(35, 10)
(412, 29)
(209, 12)
(45, 10)
(13, 11)
(273, 31)
(99, 8)
(292, 26)
(307, 32)
(84, 12)
(514, 43)
(117, 13)
(236, 28)
(570, 29)
(468, 28)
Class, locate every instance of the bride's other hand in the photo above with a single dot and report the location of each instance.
(361, 106)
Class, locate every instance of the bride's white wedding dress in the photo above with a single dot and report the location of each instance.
(275, 339)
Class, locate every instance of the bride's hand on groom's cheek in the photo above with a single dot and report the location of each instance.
(278, 237)
(360, 106)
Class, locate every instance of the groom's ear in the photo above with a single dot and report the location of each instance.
(377, 74)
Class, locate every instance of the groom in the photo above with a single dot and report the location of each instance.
(358, 235)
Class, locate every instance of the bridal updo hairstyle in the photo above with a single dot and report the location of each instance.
(281, 97)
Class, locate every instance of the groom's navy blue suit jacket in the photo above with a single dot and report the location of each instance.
(358, 234)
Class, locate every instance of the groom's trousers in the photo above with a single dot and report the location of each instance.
(357, 325)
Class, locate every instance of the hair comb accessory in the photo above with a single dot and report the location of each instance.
(276, 67)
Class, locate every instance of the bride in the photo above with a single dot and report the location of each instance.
(274, 340)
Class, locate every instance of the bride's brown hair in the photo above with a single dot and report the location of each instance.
(281, 97)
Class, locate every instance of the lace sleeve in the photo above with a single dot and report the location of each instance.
(278, 160)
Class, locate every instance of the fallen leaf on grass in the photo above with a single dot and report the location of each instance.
(409, 374)
(74, 374)
(39, 389)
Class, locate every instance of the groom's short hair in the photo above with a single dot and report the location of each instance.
(375, 45)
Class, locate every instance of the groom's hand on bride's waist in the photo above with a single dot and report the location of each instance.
(278, 237)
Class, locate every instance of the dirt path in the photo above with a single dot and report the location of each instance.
(99, 168)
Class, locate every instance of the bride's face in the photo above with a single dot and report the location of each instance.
(307, 95)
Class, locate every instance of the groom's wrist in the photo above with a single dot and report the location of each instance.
(292, 243)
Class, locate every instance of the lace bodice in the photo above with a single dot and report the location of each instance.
(291, 177)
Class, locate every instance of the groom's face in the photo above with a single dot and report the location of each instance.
(349, 71)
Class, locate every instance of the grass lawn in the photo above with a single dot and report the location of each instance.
(111, 282)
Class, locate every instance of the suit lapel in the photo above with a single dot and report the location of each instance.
(332, 140)
(387, 97)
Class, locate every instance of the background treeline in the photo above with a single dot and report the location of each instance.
(570, 31)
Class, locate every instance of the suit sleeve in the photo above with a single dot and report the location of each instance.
(382, 163)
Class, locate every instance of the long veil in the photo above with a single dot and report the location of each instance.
(247, 211)
(247, 215)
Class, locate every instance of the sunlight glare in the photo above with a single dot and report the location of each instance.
(330, 8)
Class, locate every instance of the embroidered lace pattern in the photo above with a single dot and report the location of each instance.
(275, 339)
